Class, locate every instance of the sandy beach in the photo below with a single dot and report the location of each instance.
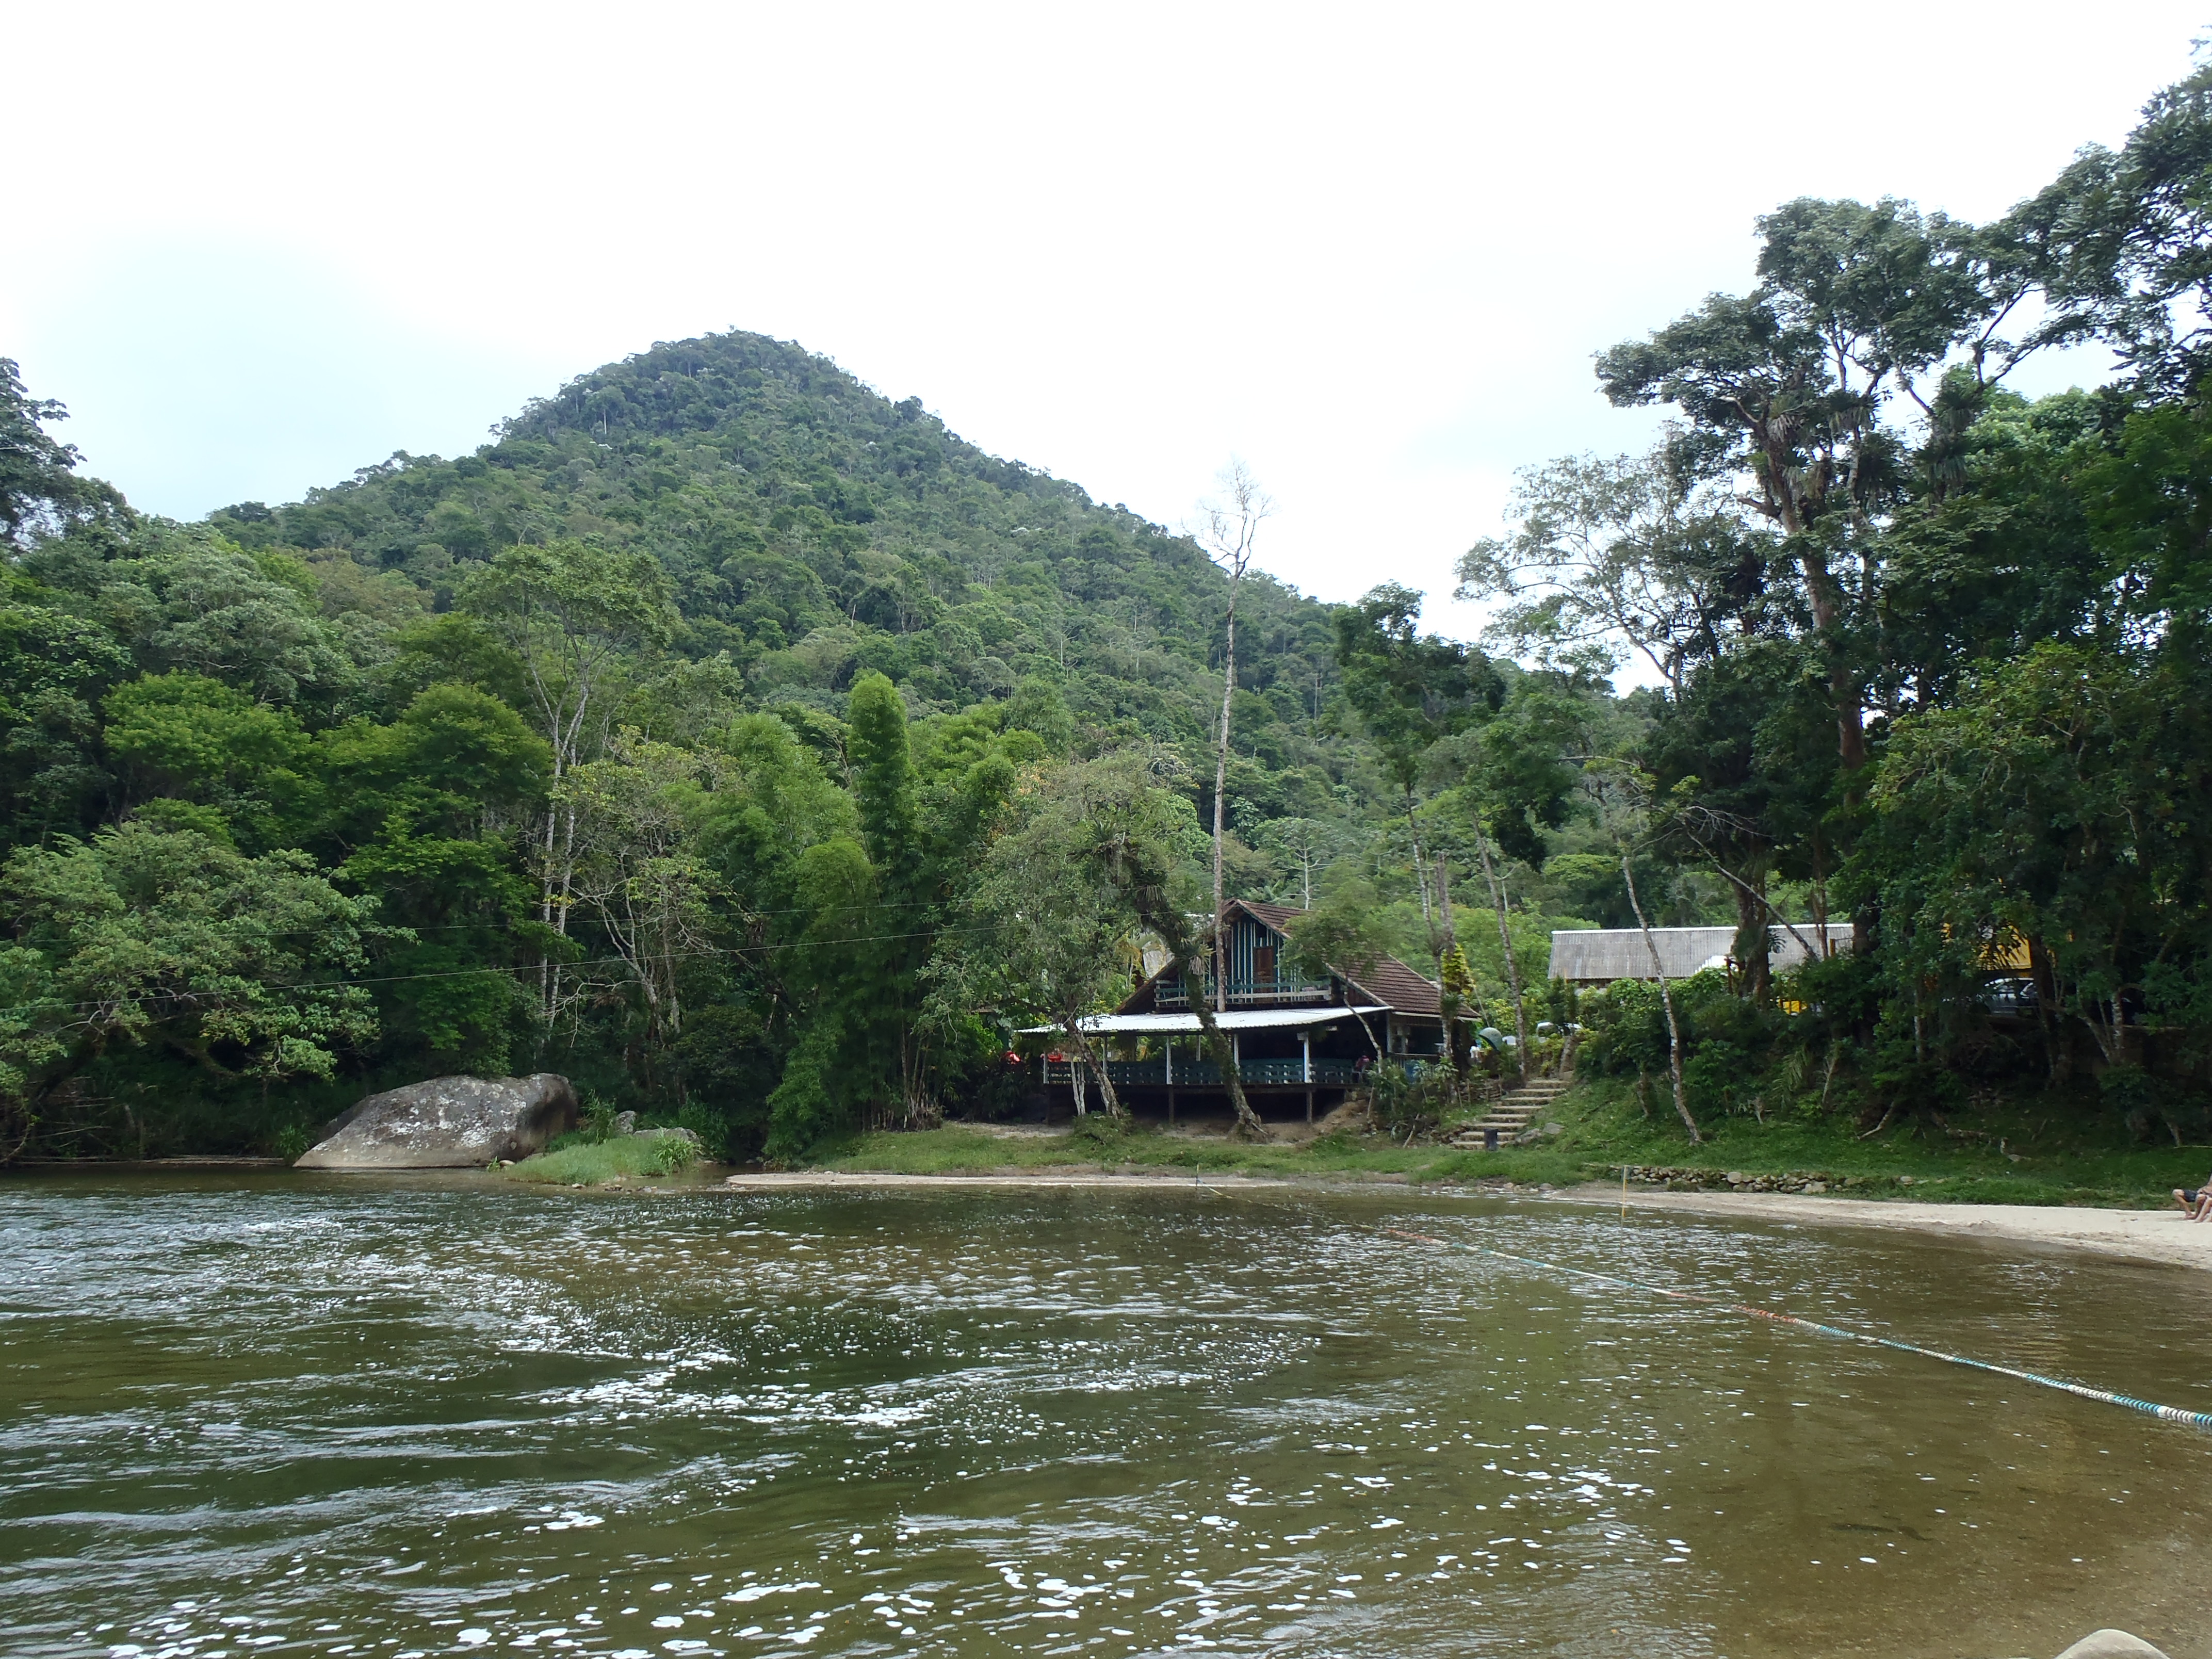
(1010, 1178)
(2160, 1235)
(2156, 1236)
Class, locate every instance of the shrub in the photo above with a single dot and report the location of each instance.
(591, 1164)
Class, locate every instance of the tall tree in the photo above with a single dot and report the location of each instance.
(637, 872)
(886, 789)
(1620, 793)
(1135, 847)
(1229, 530)
(1415, 692)
(573, 611)
(40, 493)
(1634, 550)
(156, 938)
(1511, 777)
(1048, 932)
(2121, 241)
(1787, 384)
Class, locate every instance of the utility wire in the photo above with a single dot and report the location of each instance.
(490, 968)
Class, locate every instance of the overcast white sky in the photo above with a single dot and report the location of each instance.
(1370, 249)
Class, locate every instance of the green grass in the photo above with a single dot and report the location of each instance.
(2052, 1153)
(956, 1149)
(574, 1162)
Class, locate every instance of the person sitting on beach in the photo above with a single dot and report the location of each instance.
(2195, 1202)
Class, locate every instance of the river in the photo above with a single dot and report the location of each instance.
(263, 1414)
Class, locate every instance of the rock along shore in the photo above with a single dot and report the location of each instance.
(447, 1123)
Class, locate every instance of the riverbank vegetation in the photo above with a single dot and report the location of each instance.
(751, 749)
(1099, 1144)
(584, 1159)
(2014, 1155)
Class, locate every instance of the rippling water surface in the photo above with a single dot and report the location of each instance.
(265, 1415)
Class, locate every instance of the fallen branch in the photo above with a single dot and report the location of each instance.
(1884, 1124)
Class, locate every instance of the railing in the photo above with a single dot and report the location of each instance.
(1287, 986)
(1205, 1074)
(1125, 1073)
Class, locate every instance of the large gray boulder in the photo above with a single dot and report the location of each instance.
(2111, 1644)
(447, 1123)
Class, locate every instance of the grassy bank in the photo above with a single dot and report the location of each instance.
(2027, 1152)
(956, 1149)
(2019, 1155)
(576, 1161)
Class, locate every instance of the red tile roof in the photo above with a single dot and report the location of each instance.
(1390, 981)
(1277, 916)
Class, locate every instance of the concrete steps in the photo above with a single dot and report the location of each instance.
(1513, 1114)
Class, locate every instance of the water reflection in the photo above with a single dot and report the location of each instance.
(279, 1414)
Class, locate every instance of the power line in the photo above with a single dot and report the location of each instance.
(492, 967)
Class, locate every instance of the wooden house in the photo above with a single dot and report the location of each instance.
(1297, 1041)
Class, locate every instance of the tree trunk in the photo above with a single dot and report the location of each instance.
(1221, 793)
(2057, 1053)
(1512, 968)
(1666, 1001)
(1851, 725)
(1072, 1024)
(1754, 944)
(1757, 895)
(1420, 872)
(1447, 1003)
(1148, 887)
(558, 894)
(1247, 1121)
(1448, 935)
(1225, 1056)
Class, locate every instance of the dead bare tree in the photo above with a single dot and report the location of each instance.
(1666, 999)
(1228, 529)
(1622, 794)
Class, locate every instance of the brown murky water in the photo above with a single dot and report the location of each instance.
(279, 1414)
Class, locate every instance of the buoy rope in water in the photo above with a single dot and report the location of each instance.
(2170, 1413)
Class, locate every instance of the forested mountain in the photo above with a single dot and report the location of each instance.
(754, 749)
(565, 737)
(812, 531)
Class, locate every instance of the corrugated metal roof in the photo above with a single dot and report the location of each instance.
(1600, 955)
(1786, 952)
(1236, 1019)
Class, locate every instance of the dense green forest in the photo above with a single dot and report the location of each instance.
(755, 750)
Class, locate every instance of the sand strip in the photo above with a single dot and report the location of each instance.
(2153, 1235)
(2136, 1235)
(819, 1178)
